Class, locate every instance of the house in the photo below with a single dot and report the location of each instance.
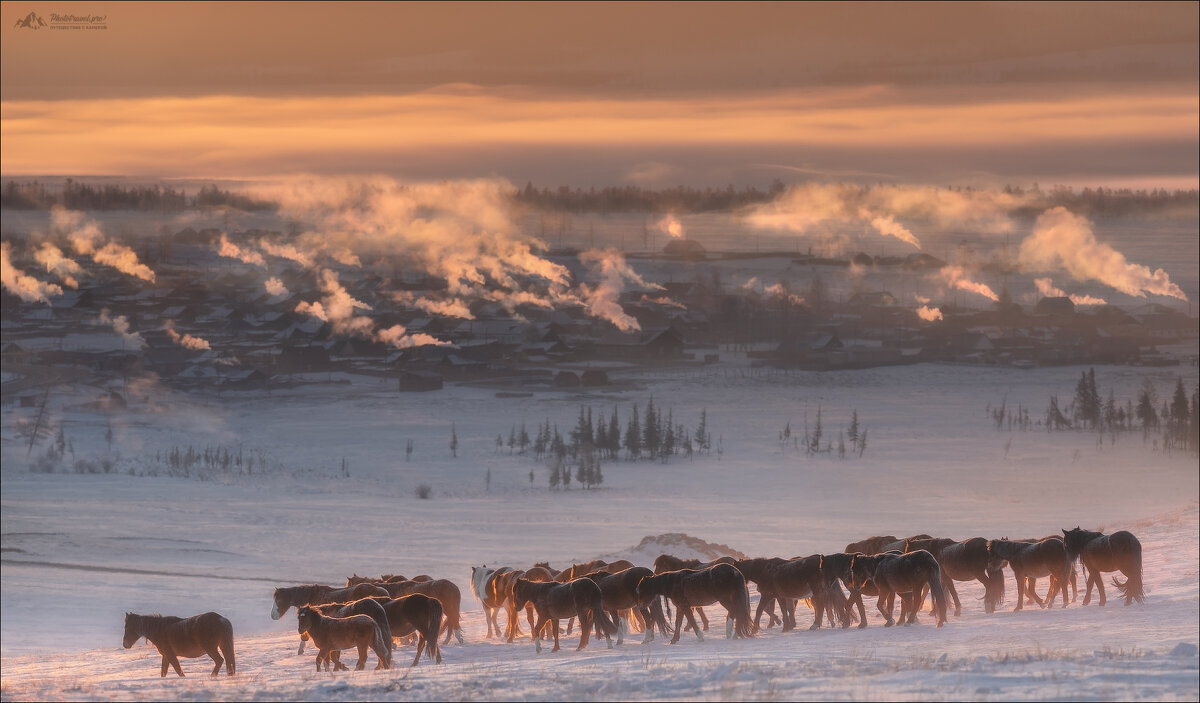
(1054, 305)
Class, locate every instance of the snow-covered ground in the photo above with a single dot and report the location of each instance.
(79, 550)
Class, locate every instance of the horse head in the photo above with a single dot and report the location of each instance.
(132, 631)
(281, 603)
(304, 616)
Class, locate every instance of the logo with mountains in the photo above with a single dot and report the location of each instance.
(31, 21)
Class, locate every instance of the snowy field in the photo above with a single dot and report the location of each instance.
(337, 496)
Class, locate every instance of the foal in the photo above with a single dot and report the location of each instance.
(330, 634)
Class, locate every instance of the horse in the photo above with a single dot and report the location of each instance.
(445, 591)
(965, 560)
(577, 570)
(316, 594)
(333, 633)
(364, 606)
(869, 546)
(903, 574)
(618, 593)
(553, 601)
(415, 613)
(1098, 552)
(1026, 559)
(1031, 595)
(540, 573)
(837, 567)
(493, 588)
(668, 562)
(690, 588)
(174, 637)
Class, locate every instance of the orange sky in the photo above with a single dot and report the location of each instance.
(607, 93)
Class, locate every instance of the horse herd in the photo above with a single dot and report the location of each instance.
(612, 598)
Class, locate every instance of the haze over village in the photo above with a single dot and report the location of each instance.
(297, 292)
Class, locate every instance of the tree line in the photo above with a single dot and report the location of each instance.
(649, 434)
(74, 195)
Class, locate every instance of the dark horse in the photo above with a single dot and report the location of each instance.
(445, 590)
(668, 562)
(786, 581)
(1033, 560)
(333, 633)
(317, 594)
(417, 613)
(691, 588)
(364, 606)
(965, 560)
(553, 601)
(619, 594)
(184, 637)
(905, 575)
(1120, 551)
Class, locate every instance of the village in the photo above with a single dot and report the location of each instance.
(207, 324)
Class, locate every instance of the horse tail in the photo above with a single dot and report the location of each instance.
(743, 625)
(432, 649)
(993, 589)
(1132, 587)
(382, 644)
(841, 604)
(226, 645)
(937, 593)
(600, 615)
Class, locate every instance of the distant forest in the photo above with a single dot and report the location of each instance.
(74, 195)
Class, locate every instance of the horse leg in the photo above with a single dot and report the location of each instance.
(537, 634)
(703, 618)
(211, 650)
(679, 615)
(692, 621)
(420, 647)
(554, 624)
(1031, 594)
(166, 664)
(856, 599)
(1100, 586)
(303, 639)
(948, 587)
(1020, 579)
(1087, 597)
(885, 612)
(585, 630)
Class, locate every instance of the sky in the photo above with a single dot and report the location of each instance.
(607, 94)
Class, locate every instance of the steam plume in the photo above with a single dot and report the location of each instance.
(671, 226)
(337, 308)
(230, 250)
(603, 300)
(120, 325)
(1063, 240)
(88, 240)
(276, 288)
(24, 286)
(52, 258)
(186, 341)
(956, 277)
(1046, 287)
(929, 314)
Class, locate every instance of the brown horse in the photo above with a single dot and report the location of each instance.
(904, 575)
(787, 581)
(690, 588)
(445, 590)
(837, 566)
(415, 613)
(553, 601)
(1098, 552)
(966, 560)
(538, 573)
(1036, 559)
(364, 606)
(316, 594)
(176, 637)
(333, 633)
(619, 594)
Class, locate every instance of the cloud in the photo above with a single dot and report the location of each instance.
(1063, 241)
(24, 286)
